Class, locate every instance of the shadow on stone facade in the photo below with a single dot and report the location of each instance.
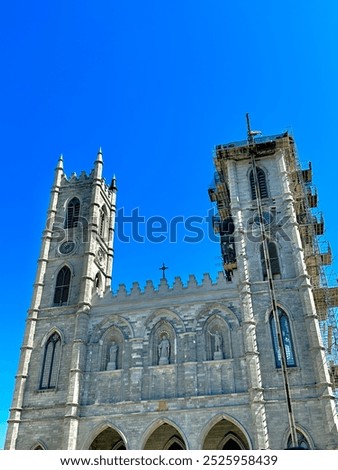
(108, 439)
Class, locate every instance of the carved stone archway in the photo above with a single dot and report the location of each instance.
(225, 434)
(165, 437)
(108, 439)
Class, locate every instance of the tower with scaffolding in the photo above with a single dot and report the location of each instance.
(315, 251)
(288, 229)
(318, 259)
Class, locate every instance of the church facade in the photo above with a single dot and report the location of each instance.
(236, 363)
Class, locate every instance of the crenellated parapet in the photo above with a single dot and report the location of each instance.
(164, 289)
(87, 179)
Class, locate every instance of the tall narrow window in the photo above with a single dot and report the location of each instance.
(98, 285)
(73, 212)
(286, 339)
(51, 361)
(62, 286)
(103, 220)
(274, 261)
(97, 282)
(261, 179)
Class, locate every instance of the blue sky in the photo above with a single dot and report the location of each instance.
(157, 84)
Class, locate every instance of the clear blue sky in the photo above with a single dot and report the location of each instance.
(157, 84)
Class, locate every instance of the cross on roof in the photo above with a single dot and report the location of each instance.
(163, 269)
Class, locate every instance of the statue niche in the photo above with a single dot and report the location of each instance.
(217, 339)
(217, 344)
(113, 352)
(163, 349)
(162, 341)
(113, 345)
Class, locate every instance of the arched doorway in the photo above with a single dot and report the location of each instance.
(165, 437)
(225, 435)
(108, 439)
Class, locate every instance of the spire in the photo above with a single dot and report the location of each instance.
(113, 186)
(99, 155)
(98, 164)
(59, 165)
(58, 171)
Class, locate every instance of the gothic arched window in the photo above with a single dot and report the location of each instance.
(302, 441)
(62, 285)
(51, 360)
(73, 212)
(103, 222)
(286, 339)
(98, 283)
(261, 180)
(274, 261)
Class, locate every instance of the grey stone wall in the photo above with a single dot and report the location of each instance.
(219, 379)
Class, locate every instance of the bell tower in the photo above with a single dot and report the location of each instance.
(78, 239)
(269, 234)
(74, 265)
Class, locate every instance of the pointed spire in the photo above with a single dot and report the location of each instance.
(60, 162)
(99, 155)
(98, 164)
(113, 186)
(58, 171)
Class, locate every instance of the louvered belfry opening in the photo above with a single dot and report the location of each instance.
(261, 183)
(73, 212)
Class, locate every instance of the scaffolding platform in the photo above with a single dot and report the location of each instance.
(307, 174)
(212, 194)
(318, 225)
(312, 199)
(334, 376)
(325, 298)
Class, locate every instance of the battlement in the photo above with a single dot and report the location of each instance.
(164, 289)
(74, 178)
(84, 178)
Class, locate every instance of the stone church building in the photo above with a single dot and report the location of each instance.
(236, 363)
